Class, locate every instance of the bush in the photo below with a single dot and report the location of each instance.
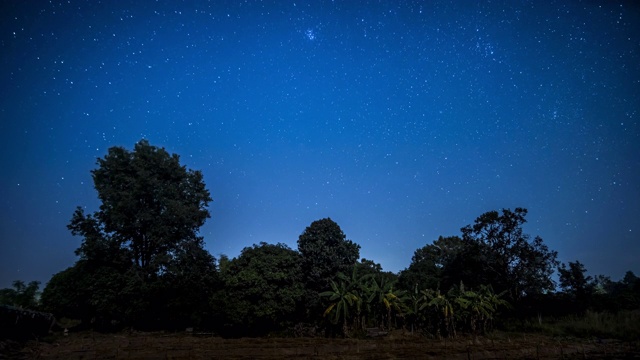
(623, 325)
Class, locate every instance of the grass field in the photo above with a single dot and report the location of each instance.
(399, 345)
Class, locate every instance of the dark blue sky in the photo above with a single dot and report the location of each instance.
(400, 120)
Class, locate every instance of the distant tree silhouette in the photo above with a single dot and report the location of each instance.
(21, 295)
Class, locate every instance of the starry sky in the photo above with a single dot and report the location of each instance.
(400, 120)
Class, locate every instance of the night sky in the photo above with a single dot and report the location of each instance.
(400, 120)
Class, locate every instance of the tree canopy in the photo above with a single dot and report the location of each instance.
(143, 264)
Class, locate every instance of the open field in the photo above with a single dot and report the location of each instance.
(91, 345)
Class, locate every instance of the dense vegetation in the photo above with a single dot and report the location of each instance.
(142, 265)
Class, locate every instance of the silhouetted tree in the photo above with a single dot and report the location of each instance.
(141, 259)
(325, 252)
(151, 205)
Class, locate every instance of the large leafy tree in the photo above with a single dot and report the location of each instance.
(325, 252)
(151, 205)
(262, 290)
(141, 249)
(498, 252)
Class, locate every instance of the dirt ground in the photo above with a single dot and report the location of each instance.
(91, 345)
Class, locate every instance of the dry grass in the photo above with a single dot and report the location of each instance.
(396, 346)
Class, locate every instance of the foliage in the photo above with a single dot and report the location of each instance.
(428, 264)
(359, 301)
(414, 316)
(613, 296)
(367, 267)
(623, 325)
(459, 308)
(262, 289)
(65, 294)
(187, 285)
(21, 295)
(354, 299)
(95, 295)
(479, 307)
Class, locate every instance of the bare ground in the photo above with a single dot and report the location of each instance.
(135, 345)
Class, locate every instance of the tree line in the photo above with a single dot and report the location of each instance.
(141, 264)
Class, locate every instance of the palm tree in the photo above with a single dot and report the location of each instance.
(359, 286)
(480, 305)
(414, 301)
(342, 301)
(385, 300)
(394, 302)
(443, 307)
(495, 300)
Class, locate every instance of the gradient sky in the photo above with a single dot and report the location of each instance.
(400, 120)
